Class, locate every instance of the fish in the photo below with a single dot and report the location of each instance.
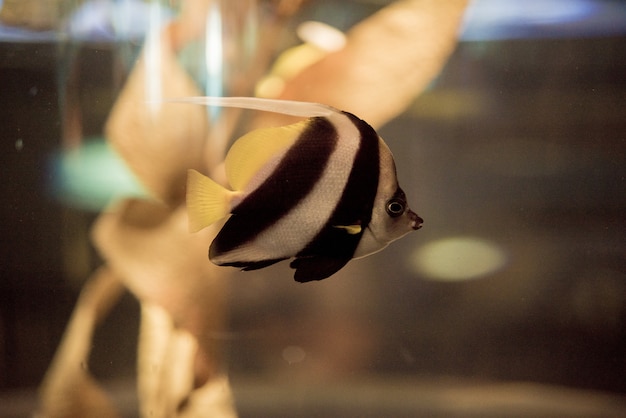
(321, 192)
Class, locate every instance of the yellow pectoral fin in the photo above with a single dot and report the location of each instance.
(207, 201)
(350, 229)
(255, 149)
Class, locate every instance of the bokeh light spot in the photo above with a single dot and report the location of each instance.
(457, 258)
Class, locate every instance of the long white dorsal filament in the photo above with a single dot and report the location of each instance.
(286, 107)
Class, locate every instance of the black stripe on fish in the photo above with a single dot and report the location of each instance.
(333, 247)
(293, 179)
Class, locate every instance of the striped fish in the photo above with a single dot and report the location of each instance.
(322, 191)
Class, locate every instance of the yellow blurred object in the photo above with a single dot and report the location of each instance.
(319, 40)
(289, 64)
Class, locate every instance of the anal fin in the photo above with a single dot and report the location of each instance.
(252, 265)
(316, 268)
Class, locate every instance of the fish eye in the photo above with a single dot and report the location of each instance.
(395, 207)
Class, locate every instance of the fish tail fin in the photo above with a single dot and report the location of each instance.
(207, 201)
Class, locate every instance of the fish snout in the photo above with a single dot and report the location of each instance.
(416, 221)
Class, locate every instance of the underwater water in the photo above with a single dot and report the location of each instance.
(510, 301)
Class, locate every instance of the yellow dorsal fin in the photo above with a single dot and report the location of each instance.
(253, 150)
(207, 201)
(350, 229)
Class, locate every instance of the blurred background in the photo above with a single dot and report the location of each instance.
(514, 156)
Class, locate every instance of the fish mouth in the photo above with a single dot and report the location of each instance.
(416, 221)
